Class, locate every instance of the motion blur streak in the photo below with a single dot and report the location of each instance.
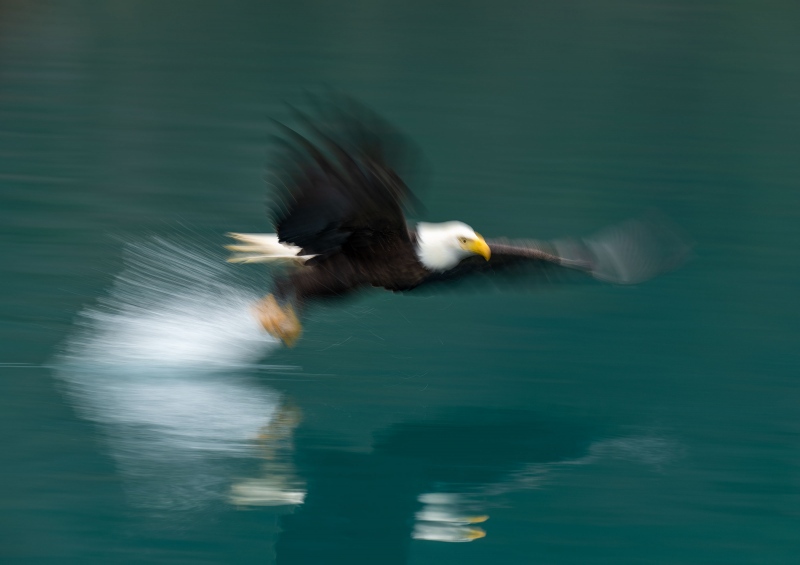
(172, 306)
(159, 364)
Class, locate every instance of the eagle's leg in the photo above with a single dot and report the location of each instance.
(279, 321)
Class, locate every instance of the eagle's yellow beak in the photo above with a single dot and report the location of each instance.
(479, 247)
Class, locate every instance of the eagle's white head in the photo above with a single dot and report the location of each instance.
(442, 246)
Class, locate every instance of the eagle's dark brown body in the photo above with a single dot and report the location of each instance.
(343, 273)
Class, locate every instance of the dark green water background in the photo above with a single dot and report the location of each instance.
(592, 423)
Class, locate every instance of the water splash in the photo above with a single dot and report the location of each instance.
(173, 306)
(161, 364)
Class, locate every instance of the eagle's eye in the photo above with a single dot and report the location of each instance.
(462, 239)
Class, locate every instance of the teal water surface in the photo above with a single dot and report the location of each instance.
(145, 419)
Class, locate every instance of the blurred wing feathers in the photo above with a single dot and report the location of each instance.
(337, 187)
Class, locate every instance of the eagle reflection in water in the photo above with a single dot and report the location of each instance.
(433, 480)
(340, 227)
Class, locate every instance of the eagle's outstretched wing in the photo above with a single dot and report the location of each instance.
(626, 253)
(337, 186)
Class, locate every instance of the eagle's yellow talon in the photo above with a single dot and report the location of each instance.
(279, 322)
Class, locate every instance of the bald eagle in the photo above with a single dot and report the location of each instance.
(339, 218)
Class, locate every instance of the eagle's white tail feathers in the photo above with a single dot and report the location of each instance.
(263, 248)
